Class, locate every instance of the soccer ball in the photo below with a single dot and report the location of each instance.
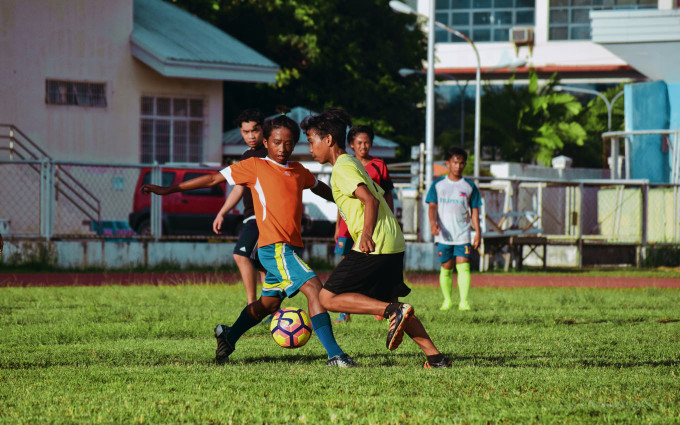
(291, 327)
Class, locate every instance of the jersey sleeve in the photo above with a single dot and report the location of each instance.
(349, 179)
(309, 179)
(242, 172)
(475, 197)
(432, 195)
(385, 180)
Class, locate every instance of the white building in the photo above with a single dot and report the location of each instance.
(124, 81)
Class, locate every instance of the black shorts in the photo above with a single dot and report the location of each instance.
(247, 240)
(379, 276)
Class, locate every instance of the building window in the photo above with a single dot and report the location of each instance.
(171, 130)
(570, 19)
(59, 92)
(482, 20)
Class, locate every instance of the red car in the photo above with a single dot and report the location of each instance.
(184, 213)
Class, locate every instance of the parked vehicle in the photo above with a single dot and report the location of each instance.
(193, 212)
(184, 213)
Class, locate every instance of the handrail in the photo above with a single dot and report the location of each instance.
(71, 188)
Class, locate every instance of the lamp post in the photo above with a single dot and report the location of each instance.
(609, 104)
(400, 7)
(614, 167)
(462, 89)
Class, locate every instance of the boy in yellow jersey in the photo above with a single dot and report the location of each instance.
(370, 279)
(277, 186)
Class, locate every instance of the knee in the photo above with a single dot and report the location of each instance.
(326, 300)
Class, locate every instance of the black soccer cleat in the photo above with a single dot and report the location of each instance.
(342, 360)
(224, 347)
(445, 362)
(398, 321)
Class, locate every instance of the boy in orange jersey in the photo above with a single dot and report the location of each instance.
(277, 186)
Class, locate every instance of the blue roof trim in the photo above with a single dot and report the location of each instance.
(178, 44)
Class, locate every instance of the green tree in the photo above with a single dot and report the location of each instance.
(529, 123)
(593, 119)
(331, 53)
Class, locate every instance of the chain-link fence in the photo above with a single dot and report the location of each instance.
(57, 199)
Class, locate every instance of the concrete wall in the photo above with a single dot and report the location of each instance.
(126, 254)
(86, 41)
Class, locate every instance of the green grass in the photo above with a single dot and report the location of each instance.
(525, 355)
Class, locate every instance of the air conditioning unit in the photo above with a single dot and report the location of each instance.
(522, 35)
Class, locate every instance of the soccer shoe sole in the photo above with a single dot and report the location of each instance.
(394, 342)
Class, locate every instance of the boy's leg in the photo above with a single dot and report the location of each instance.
(464, 279)
(445, 253)
(242, 252)
(250, 316)
(321, 320)
(463, 254)
(417, 332)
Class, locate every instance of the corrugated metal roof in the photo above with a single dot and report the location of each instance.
(178, 44)
(382, 147)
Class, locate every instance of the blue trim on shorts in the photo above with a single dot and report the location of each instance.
(448, 252)
(344, 245)
(286, 271)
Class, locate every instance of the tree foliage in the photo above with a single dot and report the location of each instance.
(331, 54)
(530, 123)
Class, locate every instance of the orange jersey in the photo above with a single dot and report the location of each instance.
(277, 196)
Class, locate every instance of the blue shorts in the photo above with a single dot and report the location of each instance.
(343, 246)
(448, 252)
(286, 272)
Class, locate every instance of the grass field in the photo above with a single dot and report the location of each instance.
(144, 354)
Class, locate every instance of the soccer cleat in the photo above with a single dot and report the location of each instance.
(398, 321)
(464, 307)
(446, 306)
(344, 317)
(445, 362)
(224, 347)
(342, 360)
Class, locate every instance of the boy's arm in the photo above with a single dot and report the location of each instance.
(432, 214)
(207, 180)
(475, 224)
(234, 196)
(389, 200)
(321, 189)
(371, 205)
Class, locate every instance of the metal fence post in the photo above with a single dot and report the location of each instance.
(643, 224)
(47, 190)
(156, 203)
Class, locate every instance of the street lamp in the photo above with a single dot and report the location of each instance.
(400, 7)
(610, 105)
(404, 72)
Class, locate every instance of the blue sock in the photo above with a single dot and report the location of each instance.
(324, 331)
(240, 326)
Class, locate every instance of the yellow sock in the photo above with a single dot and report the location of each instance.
(464, 279)
(446, 283)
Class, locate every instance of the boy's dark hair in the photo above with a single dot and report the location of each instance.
(248, 115)
(331, 121)
(455, 151)
(281, 121)
(360, 129)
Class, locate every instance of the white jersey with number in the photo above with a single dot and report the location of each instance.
(455, 201)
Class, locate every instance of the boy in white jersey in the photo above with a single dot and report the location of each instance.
(453, 205)
(370, 279)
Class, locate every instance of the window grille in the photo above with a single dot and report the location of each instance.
(570, 19)
(171, 129)
(59, 92)
(482, 20)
